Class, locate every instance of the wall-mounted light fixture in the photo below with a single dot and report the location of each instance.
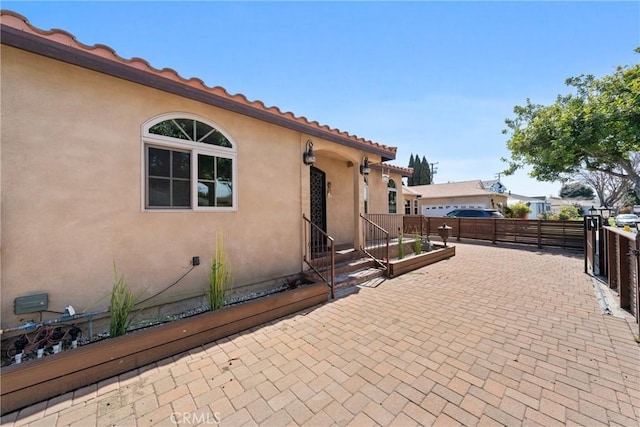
(364, 166)
(308, 157)
(329, 192)
(385, 176)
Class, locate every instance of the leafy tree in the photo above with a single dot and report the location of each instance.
(576, 190)
(597, 129)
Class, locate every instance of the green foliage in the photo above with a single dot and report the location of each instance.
(421, 171)
(122, 302)
(517, 210)
(576, 190)
(400, 245)
(570, 213)
(597, 128)
(417, 244)
(219, 276)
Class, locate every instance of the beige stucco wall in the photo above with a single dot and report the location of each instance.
(71, 176)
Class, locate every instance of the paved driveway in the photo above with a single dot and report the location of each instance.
(493, 336)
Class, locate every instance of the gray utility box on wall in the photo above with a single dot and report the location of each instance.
(31, 303)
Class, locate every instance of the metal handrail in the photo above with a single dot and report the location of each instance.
(313, 251)
(375, 242)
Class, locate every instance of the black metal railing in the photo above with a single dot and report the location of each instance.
(320, 253)
(375, 242)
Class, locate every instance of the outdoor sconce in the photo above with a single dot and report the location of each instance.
(605, 211)
(385, 177)
(364, 167)
(329, 192)
(308, 157)
(444, 230)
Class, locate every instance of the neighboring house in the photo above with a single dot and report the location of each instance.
(557, 203)
(495, 185)
(411, 201)
(439, 199)
(539, 205)
(108, 160)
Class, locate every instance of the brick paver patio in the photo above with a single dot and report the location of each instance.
(493, 336)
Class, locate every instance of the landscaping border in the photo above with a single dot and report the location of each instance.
(36, 380)
(413, 262)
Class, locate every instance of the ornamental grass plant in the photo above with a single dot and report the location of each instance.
(219, 276)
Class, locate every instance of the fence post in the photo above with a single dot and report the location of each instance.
(539, 234)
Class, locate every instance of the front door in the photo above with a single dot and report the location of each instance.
(318, 209)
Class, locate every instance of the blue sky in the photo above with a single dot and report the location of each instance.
(433, 78)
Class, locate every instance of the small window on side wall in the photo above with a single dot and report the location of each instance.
(392, 196)
(189, 164)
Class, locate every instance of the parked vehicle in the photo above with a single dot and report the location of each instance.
(627, 219)
(474, 213)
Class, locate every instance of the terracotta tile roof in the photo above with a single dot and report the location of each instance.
(397, 169)
(451, 189)
(12, 20)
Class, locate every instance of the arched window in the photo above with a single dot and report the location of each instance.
(189, 163)
(392, 193)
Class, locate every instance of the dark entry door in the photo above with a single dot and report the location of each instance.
(318, 208)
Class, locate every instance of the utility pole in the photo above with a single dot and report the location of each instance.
(434, 170)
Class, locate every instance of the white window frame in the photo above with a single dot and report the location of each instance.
(194, 148)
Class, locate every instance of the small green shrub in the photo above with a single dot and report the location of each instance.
(122, 302)
(417, 244)
(219, 276)
(518, 210)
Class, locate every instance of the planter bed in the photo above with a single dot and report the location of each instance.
(40, 379)
(413, 262)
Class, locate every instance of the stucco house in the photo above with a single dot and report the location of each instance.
(439, 199)
(108, 160)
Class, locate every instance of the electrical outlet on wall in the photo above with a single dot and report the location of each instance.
(195, 261)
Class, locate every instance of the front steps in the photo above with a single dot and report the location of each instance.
(353, 268)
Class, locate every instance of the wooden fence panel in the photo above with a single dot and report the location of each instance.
(566, 234)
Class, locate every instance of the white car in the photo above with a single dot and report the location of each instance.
(627, 219)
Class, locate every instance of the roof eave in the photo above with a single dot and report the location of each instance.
(42, 46)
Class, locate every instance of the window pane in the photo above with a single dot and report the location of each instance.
(168, 128)
(224, 169)
(392, 201)
(224, 193)
(181, 193)
(206, 193)
(216, 138)
(224, 182)
(206, 169)
(159, 192)
(181, 165)
(159, 162)
(187, 126)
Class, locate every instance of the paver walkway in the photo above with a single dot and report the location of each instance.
(493, 336)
